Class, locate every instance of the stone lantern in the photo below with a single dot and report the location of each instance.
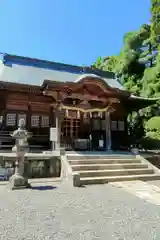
(21, 136)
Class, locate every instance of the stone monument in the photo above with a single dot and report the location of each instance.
(21, 135)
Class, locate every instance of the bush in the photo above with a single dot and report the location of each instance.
(151, 140)
(153, 124)
(150, 143)
(153, 135)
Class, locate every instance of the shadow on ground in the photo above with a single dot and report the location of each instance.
(43, 188)
(82, 186)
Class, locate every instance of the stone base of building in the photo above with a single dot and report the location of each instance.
(18, 182)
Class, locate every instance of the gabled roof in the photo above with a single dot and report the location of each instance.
(50, 65)
(30, 73)
(34, 71)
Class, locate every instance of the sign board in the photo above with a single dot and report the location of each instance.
(101, 143)
(90, 136)
(53, 134)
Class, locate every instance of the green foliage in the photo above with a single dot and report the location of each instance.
(110, 63)
(138, 68)
(129, 65)
(151, 142)
(151, 77)
(106, 63)
(153, 135)
(99, 63)
(138, 63)
(153, 124)
(151, 86)
(134, 57)
(152, 138)
(155, 22)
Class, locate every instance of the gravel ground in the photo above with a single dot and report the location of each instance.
(62, 212)
(156, 183)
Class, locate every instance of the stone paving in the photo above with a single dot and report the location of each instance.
(149, 192)
(59, 211)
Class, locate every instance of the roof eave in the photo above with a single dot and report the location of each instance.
(136, 103)
(134, 97)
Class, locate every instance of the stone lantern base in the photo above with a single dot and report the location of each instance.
(18, 182)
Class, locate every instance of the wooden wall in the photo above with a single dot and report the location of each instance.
(32, 104)
(119, 128)
(35, 108)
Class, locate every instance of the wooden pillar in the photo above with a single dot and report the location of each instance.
(28, 118)
(51, 124)
(59, 116)
(108, 131)
(58, 130)
(52, 117)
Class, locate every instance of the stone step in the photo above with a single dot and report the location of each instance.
(102, 156)
(117, 172)
(103, 161)
(81, 167)
(103, 180)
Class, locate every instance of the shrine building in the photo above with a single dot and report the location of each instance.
(87, 106)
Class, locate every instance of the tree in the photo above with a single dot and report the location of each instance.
(155, 22)
(151, 78)
(138, 66)
(130, 64)
(153, 124)
(99, 63)
(106, 63)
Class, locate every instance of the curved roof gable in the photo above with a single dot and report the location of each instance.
(106, 82)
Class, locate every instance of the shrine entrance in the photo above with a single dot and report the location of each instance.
(85, 133)
(70, 130)
(98, 133)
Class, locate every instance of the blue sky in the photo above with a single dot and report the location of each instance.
(69, 31)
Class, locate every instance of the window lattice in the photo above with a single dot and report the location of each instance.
(11, 119)
(114, 125)
(120, 125)
(45, 121)
(35, 121)
(103, 124)
(96, 124)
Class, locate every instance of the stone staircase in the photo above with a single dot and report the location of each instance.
(99, 169)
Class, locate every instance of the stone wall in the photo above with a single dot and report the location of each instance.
(35, 168)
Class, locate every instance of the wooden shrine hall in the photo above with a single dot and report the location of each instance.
(88, 107)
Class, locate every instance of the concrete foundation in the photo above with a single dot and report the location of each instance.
(18, 182)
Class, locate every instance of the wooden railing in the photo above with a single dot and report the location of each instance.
(37, 141)
(75, 144)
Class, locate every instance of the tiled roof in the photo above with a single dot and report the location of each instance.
(50, 65)
(20, 87)
(34, 71)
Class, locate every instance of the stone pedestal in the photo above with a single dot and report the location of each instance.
(76, 180)
(18, 182)
(135, 151)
